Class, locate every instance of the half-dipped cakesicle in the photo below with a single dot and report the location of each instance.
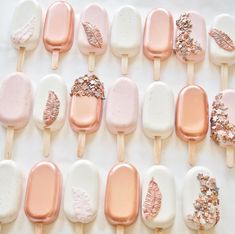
(43, 194)
(158, 37)
(25, 28)
(50, 107)
(15, 106)
(122, 111)
(222, 44)
(190, 41)
(11, 190)
(223, 123)
(191, 121)
(158, 198)
(86, 105)
(122, 196)
(93, 32)
(201, 209)
(58, 30)
(81, 194)
(126, 34)
(158, 114)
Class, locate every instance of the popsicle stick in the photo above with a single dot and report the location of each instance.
(156, 68)
(55, 59)
(157, 149)
(120, 229)
(121, 146)
(81, 143)
(20, 60)
(124, 64)
(230, 156)
(192, 152)
(78, 228)
(158, 231)
(224, 76)
(91, 62)
(38, 228)
(9, 143)
(46, 141)
(201, 232)
(190, 73)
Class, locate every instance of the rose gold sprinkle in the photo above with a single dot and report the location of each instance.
(152, 203)
(52, 109)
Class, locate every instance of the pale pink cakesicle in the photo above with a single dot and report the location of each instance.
(86, 106)
(58, 30)
(122, 110)
(93, 31)
(122, 196)
(43, 194)
(15, 105)
(223, 122)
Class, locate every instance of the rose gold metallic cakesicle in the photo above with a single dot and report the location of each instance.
(86, 106)
(190, 42)
(43, 194)
(122, 196)
(192, 117)
(158, 37)
(58, 30)
(93, 33)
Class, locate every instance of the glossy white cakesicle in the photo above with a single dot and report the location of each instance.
(81, 192)
(10, 191)
(200, 199)
(158, 198)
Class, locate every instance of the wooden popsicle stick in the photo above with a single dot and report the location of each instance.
(91, 62)
(55, 59)
(230, 157)
(9, 143)
(190, 73)
(201, 232)
(158, 231)
(156, 68)
(192, 152)
(46, 141)
(120, 229)
(121, 146)
(78, 228)
(124, 66)
(81, 143)
(20, 60)
(38, 228)
(224, 76)
(157, 144)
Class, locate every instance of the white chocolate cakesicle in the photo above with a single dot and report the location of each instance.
(158, 111)
(10, 191)
(158, 198)
(81, 192)
(26, 25)
(200, 199)
(222, 40)
(50, 103)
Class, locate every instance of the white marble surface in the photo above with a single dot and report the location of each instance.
(101, 147)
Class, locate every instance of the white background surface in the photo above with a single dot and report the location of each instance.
(101, 147)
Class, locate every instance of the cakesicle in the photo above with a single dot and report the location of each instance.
(158, 114)
(122, 196)
(15, 105)
(50, 107)
(86, 106)
(93, 32)
(126, 34)
(81, 193)
(192, 117)
(58, 30)
(25, 28)
(158, 37)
